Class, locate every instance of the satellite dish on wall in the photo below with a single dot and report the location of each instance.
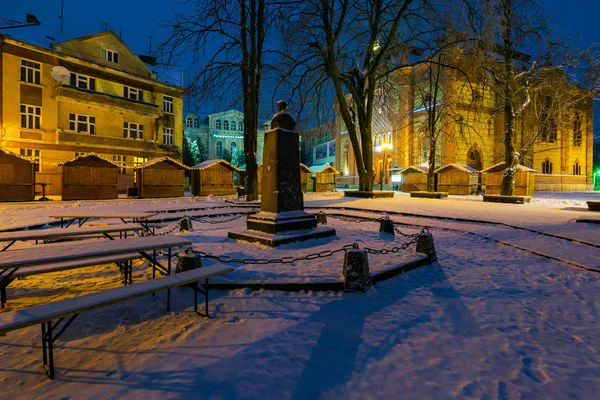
(61, 74)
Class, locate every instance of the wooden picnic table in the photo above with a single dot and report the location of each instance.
(12, 260)
(58, 233)
(136, 217)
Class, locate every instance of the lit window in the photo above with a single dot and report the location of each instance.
(226, 125)
(168, 136)
(35, 154)
(133, 131)
(167, 104)
(83, 82)
(110, 56)
(133, 94)
(121, 161)
(219, 149)
(233, 147)
(547, 167)
(82, 124)
(30, 116)
(218, 124)
(30, 72)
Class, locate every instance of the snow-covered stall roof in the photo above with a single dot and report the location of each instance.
(162, 159)
(413, 169)
(88, 156)
(500, 167)
(305, 168)
(208, 163)
(10, 153)
(322, 168)
(461, 167)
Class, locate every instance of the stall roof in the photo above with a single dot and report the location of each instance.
(461, 167)
(88, 156)
(10, 153)
(208, 163)
(305, 168)
(320, 168)
(414, 168)
(161, 159)
(500, 166)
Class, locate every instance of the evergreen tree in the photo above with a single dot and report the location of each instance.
(195, 152)
(187, 156)
(202, 152)
(238, 158)
(226, 155)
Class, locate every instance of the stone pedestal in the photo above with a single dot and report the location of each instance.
(282, 218)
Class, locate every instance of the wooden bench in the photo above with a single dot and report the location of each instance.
(51, 234)
(51, 315)
(16, 260)
(123, 261)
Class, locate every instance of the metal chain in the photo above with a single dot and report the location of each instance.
(283, 260)
(394, 249)
(363, 219)
(213, 222)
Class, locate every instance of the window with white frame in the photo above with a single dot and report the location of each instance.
(133, 93)
(233, 126)
(218, 124)
(83, 82)
(167, 104)
(226, 125)
(110, 56)
(82, 123)
(121, 161)
(168, 136)
(30, 72)
(30, 116)
(241, 126)
(35, 154)
(132, 130)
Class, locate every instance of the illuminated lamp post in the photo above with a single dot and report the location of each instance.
(383, 147)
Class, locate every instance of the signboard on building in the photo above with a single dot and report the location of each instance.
(321, 151)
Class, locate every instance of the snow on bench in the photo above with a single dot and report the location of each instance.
(122, 262)
(46, 313)
(58, 233)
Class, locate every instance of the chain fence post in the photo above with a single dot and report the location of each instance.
(386, 225)
(321, 218)
(425, 245)
(185, 224)
(356, 271)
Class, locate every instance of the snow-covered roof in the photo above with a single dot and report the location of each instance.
(461, 167)
(88, 155)
(305, 168)
(320, 168)
(161, 159)
(500, 166)
(208, 163)
(10, 153)
(414, 168)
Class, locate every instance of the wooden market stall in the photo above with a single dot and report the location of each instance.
(491, 179)
(89, 177)
(324, 178)
(160, 177)
(457, 179)
(214, 177)
(306, 183)
(17, 177)
(414, 179)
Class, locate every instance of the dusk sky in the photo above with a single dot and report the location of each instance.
(137, 20)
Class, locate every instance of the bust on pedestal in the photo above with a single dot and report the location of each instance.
(282, 218)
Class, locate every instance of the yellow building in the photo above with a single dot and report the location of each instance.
(553, 135)
(89, 94)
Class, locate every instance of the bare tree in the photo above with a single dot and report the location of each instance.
(342, 50)
(227, 42)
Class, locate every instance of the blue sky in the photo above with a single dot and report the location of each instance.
(136, 20)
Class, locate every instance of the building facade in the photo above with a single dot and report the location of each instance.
(554, 133)
(221, 131)
(318, 145)
(102, 99)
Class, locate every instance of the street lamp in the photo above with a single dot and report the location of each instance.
(383, 147)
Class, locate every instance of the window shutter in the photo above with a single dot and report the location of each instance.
(93, 84)
(103, 54)
(141, 131)
(125, 91)
(125, 126)
(116, 58)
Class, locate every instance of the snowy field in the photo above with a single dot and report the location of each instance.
(506, 313)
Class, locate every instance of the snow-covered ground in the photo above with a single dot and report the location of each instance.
(487, 321)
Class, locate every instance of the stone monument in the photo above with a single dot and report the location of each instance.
(282, 218)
